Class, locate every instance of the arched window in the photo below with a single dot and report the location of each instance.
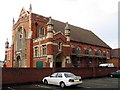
(20, 33)
(88, 51)
(98, 52)
(78, 50)
(107, 54)
(42, 31)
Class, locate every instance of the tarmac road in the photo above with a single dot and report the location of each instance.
(104, 82)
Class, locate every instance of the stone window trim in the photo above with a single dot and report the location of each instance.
(36, 51)
(106, 54)
(98, 52)
(78, 50)
(89, 51)
(42, 31)
(68, 59)
(44, 50)
(21, 31)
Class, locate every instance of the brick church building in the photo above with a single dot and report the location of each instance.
(39, 41)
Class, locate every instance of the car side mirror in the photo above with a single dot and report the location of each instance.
(51, 76)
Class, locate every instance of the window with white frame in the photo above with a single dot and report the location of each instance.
(78, 50)
(88, 51)
(98, 52)
(42, 31)
(107, 54)
(44, 50)
(36, 51)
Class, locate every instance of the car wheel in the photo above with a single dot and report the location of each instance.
(111, 76)
(62, 84)
(45, 82)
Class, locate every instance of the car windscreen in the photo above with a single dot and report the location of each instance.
(67, 75)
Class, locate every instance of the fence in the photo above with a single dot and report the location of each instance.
(25, 75)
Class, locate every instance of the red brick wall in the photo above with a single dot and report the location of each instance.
(115, 61)
(83, 72)
(25, 75)
(41, 21)
(104, 71)
(50, 49)
(82, 46)
(8, 63)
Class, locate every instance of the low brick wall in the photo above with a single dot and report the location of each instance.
(104, 71)
(89, 72)
(26, 75)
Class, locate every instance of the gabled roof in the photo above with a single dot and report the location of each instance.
(23, 12)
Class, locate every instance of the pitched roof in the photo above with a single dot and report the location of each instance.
(79, 34)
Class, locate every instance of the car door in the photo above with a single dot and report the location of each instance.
(52, 78)
(58, 78)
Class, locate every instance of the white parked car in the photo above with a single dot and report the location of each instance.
(62, 79)
(106, 65)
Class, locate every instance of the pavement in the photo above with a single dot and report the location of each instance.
(93, 83)
(104, 82)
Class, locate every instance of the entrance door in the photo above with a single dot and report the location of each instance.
(18, 61)
(39, 64)
(58, 64)
(60, 60)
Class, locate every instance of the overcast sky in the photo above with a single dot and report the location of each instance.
(99, 16)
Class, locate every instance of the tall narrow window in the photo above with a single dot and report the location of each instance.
(42, 31)
(37, 33)
(98, 52)
(36, 52)
(59, 46)
(20, 36)
(88, 51)
(78, 50)
(44, 50)
(107, 55)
